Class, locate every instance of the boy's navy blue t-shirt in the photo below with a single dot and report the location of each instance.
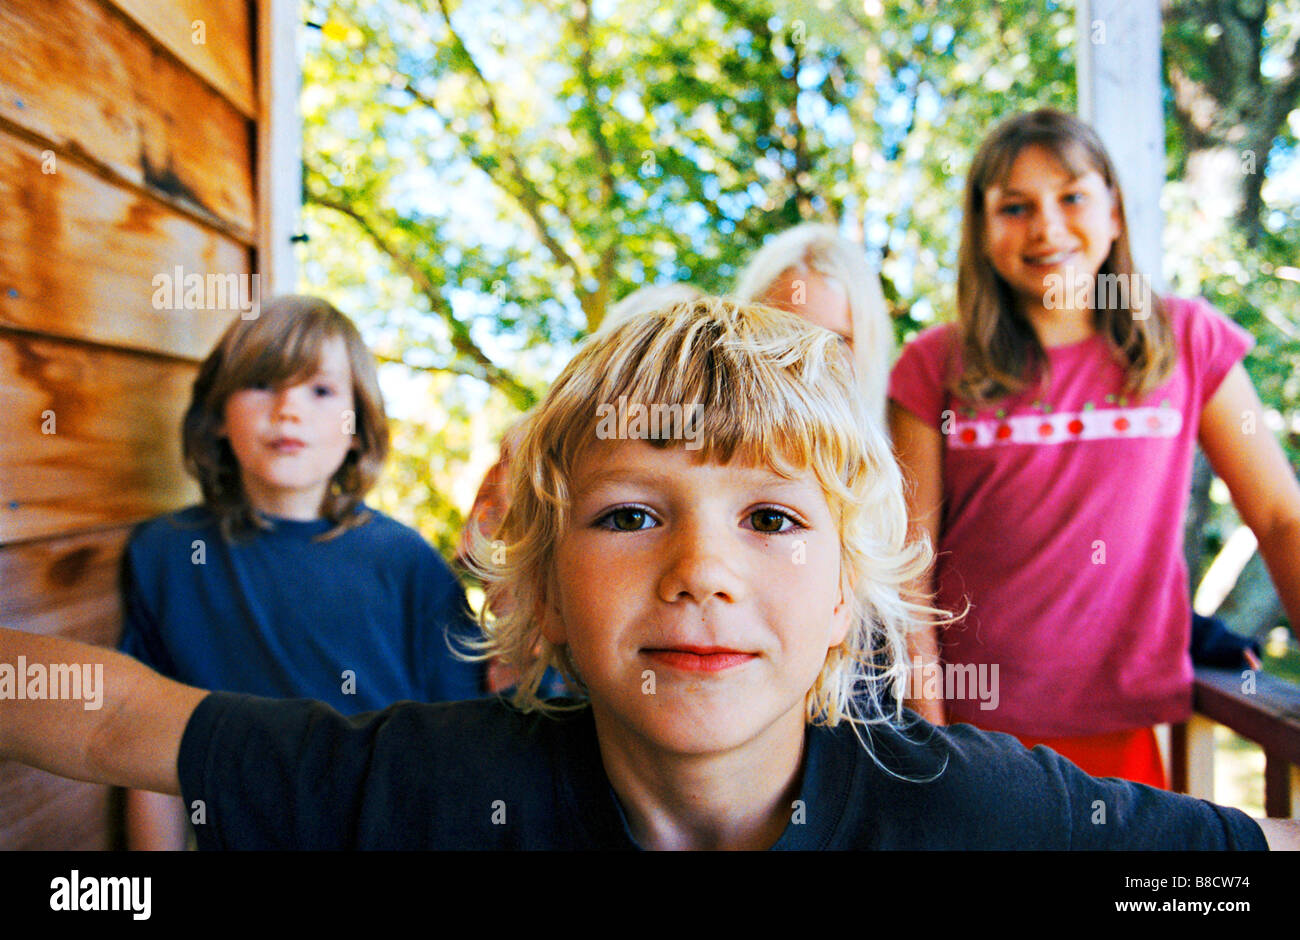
(359, 621)
(481, 775)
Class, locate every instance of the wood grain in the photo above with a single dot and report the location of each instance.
(224, 58)
(79, 255)
(114, 456)
(82, 77)
(66, 585)
(127, 150)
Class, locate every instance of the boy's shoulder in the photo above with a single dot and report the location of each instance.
(497, 729)
(395, 540)
(380, 526)
(474, 733)
(962, 787)
(173, 527)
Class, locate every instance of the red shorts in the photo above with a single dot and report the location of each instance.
(1132, 755)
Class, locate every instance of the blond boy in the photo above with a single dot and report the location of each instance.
(731, 612)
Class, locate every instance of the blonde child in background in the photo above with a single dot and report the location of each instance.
(283, 583)
(1049, 436)
(815, 272)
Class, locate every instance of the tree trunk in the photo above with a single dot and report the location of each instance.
(1198, 513)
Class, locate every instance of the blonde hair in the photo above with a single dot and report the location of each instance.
(1000, 352)
(822, 250)
(281, 344)
(773, 391)
(645, 299)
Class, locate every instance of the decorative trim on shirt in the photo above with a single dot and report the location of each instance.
(1063, 427)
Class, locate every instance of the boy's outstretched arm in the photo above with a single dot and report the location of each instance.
(131, 739)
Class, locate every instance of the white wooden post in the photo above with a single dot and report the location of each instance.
(1118, 55)
(1164, 741)
(1200, 757)
(279, 144)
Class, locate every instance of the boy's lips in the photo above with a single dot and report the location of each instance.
(699, 658)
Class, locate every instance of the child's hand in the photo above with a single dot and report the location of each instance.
(118, 723)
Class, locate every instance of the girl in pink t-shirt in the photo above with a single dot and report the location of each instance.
(1049, 436)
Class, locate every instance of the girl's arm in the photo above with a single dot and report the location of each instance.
(1245, 455)
(919, 449)
(130, 735)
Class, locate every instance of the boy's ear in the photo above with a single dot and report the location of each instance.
(547, 614)
(842, 615)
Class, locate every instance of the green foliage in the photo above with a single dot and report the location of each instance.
(643, 147)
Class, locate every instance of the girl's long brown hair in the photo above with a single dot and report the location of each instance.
(283, 343)
(1000, 352)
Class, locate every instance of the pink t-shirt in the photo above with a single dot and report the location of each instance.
(1063, 527)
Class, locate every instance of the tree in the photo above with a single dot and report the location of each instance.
(1229, 111)
(625, 155)
(1233, 70)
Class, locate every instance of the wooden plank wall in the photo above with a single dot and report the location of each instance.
(126, 152)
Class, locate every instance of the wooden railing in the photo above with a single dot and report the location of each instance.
(1258, 707)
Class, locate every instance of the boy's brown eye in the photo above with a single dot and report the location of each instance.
(767, 520)
(628, 520)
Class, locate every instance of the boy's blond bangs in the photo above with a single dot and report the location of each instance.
(768, 389)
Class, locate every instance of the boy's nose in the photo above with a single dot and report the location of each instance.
(287, 404)
(699, 567)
